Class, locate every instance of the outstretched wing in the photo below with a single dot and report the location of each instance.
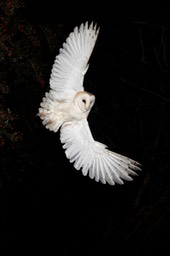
(71, 64)
(93, 157)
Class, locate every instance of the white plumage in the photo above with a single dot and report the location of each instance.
(67, 106)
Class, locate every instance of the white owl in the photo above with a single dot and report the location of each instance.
(67, 106)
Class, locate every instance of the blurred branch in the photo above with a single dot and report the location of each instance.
(150, 25)
(145, 90)
(142, 47)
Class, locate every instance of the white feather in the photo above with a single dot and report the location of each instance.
(71, 64)
(93, 157)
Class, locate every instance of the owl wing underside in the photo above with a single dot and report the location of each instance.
(71, 63)
(93, 157)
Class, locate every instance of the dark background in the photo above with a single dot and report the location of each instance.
(46, 206)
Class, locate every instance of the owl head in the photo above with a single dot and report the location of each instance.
(84, 101)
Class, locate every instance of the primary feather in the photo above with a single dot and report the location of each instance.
(71, 64)
(93, 157)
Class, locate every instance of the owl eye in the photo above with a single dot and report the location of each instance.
(84, 101)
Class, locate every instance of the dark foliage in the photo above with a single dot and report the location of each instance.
(45, 204)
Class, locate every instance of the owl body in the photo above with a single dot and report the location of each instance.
(54, 112)
(67, 106)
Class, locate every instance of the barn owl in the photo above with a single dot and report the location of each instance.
(67, 105)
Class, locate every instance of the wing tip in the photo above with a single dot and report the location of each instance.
(90, 25)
